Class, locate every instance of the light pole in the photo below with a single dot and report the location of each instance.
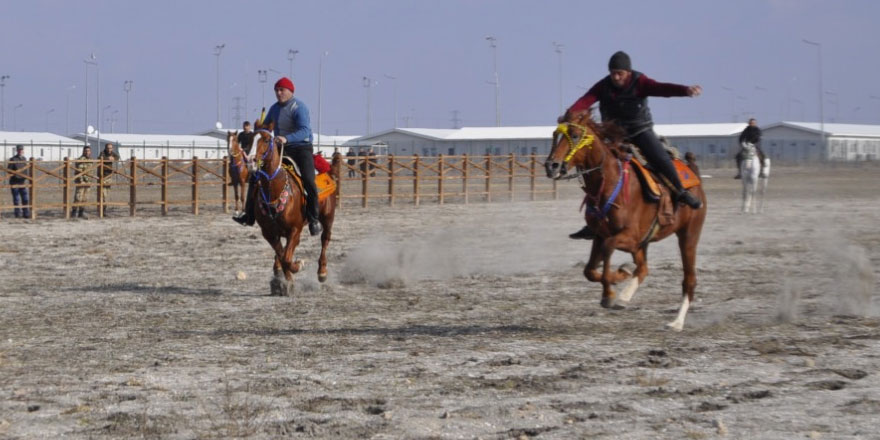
(47, 118)
(218, 49)
(127, 87)
(15, 117)
(262, 76)
(67, 110)
(104, 125)
(821, 106)
(558, 51)
(320, 88)
(836, 103)
(112, 119)
(91, 60)
(368, 84)
(291, 54)
(3, 101)
(394, 79)
(495, 81)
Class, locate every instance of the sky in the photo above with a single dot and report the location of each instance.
(429, 63)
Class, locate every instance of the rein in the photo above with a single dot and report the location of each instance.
(586, 141)
(269, 178)
(260, 161)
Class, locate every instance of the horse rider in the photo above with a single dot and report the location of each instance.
(623, 99)
(292, 129)
(246, 138)
(752, 135)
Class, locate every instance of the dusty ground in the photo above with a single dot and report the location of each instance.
(448, 322)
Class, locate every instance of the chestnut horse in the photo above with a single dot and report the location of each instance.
(279, 204)
(238, 170)
(618, 211)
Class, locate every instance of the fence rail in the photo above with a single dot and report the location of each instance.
(162, 185)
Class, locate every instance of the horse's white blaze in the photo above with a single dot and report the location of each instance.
(631, 286)
(678, 324)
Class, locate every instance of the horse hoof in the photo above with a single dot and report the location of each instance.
(280, 287)
(674, 326)
(297, 265)
(322, 276)
(606, 303)
(619, 305)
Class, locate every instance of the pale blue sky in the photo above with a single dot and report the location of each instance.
(438, 52)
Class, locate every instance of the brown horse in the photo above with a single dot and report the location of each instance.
(279, 204)
(618, 210)
(238, 170)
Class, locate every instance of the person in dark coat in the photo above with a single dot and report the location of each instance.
(19, 191)
(751, 135)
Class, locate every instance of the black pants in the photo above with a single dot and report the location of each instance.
(303, 157)
(657, 156)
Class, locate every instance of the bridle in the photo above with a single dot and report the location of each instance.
(262, 158)
(586, 141)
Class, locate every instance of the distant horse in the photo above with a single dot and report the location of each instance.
(754, 179)
(280, 207)
(619, 211)
(238, 170)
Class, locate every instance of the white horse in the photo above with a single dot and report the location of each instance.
(753, 179)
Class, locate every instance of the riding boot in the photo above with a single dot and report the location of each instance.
(246, 217)
(584, 234)
(312, 216)
(689, 199)
(738, 168)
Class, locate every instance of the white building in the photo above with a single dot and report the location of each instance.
(39, 145)
(325, 144)
(156, 146)
(797, 142)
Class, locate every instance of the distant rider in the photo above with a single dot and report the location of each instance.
(751, 135)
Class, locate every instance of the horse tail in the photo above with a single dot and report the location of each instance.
(335, 173)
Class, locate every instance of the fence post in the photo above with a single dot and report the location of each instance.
(132, 190)
(464, 177)
(195, 185)
(33, 187)
(100, 195)
(391, 180)
(488, 178)
(416, 180)
(532, 170)
(66, 196)
(227, 181)
(510, 162)
(164, 185)
(440, 179)
(365, 182)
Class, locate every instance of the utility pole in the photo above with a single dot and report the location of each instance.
(3, 101)
(496, 81)
(455, 119)
(291, 54)
(127, 87)
(368, 84)
(558, 50)
(218, 49)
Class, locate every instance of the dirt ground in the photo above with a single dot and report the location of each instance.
(448, 322)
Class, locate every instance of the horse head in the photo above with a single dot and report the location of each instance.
(573, 138)
(266, 153)
(232, 143)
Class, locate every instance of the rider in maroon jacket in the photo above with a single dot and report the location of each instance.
(623, 99)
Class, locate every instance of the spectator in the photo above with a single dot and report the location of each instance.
(351, 162)
(109, 157)
(82, 180)
(246, 138)
(19, 191)
(372, 161)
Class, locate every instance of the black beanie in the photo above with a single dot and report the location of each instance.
(619, 61)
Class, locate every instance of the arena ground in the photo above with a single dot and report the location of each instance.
(448, 321)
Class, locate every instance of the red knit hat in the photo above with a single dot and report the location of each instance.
(286, 83)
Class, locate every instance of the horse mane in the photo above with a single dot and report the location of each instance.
(611, 134)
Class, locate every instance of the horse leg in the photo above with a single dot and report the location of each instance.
(327, 224)
(640, 258)
(687, 244)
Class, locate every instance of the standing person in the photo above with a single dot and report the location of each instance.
(246, 138)
(20, 194)
(351, 161)
(106, 172)
(82, 189)
(293, 130)
(623, 99)
(751, 135)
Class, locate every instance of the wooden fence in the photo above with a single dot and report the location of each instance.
(160, 185)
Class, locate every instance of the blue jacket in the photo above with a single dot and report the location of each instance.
(291, 121)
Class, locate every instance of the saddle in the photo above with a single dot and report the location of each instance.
(325, 183)
(661, 192)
